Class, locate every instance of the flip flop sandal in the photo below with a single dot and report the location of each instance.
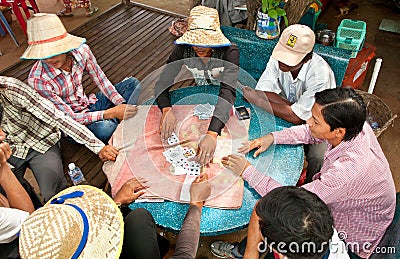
(62, 13)
(92, 11)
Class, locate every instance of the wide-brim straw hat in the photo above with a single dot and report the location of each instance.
(57, 230)
(203, 29)
(47, 37)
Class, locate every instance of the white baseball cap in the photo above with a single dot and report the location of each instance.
(294, 44)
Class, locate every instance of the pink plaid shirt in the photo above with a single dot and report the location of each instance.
(65, 90)
(355, 181)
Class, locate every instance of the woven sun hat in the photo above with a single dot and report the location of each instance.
(47, 37)
(79, 222)
(294, 44)
(203, 29)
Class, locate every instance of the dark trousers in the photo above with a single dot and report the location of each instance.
(140, 237)
(47, 169)
(9, 250)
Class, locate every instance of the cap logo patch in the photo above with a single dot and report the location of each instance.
(291, 41)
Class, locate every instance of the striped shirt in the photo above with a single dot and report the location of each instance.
(31, 121)
(355, 182)
(65, 89)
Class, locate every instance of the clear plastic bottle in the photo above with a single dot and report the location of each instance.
(75, 174)
(372, 122)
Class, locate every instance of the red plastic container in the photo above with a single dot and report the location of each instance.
(357, 68)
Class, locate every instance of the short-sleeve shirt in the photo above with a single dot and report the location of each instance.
(10, 223)
(314, 76)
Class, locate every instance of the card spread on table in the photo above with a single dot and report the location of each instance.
(166, 165)
(203, 111)
(179, 157)
(173, 140)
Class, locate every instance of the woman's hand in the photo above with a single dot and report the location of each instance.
(235, 163)
(206, 149)
(261, 144)
(167, 123)
(130, 191)
(200, 190)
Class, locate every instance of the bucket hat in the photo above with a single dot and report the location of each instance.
(294, 44)
(79, 222)
(47, 37)
(203, 29)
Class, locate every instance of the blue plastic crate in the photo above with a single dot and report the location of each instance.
(351, 35)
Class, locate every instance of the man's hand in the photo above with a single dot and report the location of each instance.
(167, 123)
(200, 190)
(108, 153)
(235, 163)
(5, 152)
(262, 144)
(120, 112)
(4, 202)
(252, 96)
(130, 191)
(206, 149)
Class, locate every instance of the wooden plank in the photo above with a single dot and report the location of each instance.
(127, 41)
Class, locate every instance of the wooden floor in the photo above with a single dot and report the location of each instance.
(127, 41)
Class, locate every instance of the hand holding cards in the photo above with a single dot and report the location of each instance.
(179, 157)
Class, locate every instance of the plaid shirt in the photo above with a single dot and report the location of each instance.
(65, 90)
(355, 182)
(30, 121)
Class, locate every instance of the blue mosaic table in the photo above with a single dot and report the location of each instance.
(283, 163)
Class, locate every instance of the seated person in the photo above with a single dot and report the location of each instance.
(15, 206)
(32, 125)
(355, 180)
(292, 221)
(212, 60)
(293, 75)
(102, 235)
(63, 59)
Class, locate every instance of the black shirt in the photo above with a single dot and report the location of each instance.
(222, 68)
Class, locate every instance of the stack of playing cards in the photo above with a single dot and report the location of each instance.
(179, 157)
(204, 111)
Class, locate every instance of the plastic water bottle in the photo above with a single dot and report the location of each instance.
(76, 174)
(372, 122)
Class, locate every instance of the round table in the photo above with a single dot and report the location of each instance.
(283, 163)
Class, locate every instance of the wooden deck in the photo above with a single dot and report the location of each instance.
(127, 41)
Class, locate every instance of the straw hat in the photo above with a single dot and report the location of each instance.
(294, 44)
(58, 229)
(204, 29)
(47, 37)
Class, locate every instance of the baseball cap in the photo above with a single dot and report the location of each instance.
(294, 44)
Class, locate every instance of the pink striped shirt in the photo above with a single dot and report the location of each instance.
(355, 182)
(65, 89)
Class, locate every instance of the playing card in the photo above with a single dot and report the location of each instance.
(185, 191)
(179, 170)
(204, 111)
(189, 152)
(192, 168)
(175, 155)
(173, 140)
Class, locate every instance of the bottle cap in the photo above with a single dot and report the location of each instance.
(71, 166)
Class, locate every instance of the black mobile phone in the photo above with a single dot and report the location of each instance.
(242, 113)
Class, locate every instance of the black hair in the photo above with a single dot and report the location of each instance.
(295, 222)
(343, 108)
